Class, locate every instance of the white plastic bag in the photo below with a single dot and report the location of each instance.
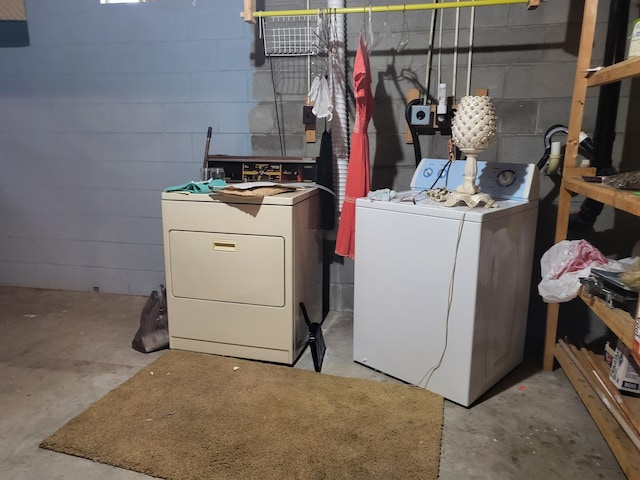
(563, 265)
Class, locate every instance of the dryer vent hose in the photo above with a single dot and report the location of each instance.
(586, 147)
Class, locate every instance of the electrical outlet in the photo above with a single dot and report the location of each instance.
(420, 115)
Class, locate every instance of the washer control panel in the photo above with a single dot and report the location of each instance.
(507, 181)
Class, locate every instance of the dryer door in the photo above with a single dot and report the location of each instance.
(225, 267)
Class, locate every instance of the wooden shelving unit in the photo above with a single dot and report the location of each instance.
(619, 321)
(619, 441)
(620, 71)
(619, 199)
(615, 419)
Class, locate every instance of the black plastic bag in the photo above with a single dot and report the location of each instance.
(153, 333)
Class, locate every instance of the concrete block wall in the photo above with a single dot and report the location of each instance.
(525, 58)
(107, 106)
(110, 104)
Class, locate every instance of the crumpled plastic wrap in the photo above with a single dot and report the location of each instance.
(631, 275)
(625, 181)
(564, 264)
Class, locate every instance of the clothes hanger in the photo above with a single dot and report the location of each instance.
(404, 39)
(386, 32)
(367, 27)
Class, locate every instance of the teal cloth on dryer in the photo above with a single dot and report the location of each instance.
(198, 187)
(217, 184)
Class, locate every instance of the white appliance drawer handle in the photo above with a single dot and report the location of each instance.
(224, 246)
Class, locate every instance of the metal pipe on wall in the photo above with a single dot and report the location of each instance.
(605, 128)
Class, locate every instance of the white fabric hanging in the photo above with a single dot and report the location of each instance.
(320, 95)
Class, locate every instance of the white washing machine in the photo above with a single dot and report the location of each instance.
(237, 269)
(441, 293)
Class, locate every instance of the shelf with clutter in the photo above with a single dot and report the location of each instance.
(616, 414)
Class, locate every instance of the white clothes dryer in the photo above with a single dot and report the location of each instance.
(237, 269)
(441, 293)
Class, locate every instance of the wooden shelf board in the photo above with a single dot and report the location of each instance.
(619, 321)
(625, 200)
(632, 401)
(615, 73)
(623, 449)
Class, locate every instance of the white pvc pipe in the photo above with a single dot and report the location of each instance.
(427, 77)
(308, 43)
(471, 25)
(455, 53)
(440, 52)
(340, 121)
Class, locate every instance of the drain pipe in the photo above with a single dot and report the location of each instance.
(338, 85)
(605, 129)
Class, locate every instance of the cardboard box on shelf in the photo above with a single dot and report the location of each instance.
(635, 352)
(625, 373)
(609, 353)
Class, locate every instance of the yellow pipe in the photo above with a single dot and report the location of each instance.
(387, 8)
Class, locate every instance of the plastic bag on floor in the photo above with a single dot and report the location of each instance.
(153, 333)
(563, 265)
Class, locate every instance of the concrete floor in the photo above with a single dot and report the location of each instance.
(61, 351)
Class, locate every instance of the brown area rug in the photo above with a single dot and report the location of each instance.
(196, 416)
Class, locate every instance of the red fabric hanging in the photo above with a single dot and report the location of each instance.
(358, 181)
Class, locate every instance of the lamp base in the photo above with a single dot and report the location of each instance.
(454, 198)
(468, 186)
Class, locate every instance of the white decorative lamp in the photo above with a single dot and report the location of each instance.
(473, 129)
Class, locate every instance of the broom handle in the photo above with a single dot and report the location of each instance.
(612, 391)
(613, 409)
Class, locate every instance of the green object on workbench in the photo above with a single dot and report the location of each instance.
(198, 187)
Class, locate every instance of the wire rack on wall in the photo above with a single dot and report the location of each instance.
(292, 75)
(292, 35)
(300, 32)
(249, 14)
